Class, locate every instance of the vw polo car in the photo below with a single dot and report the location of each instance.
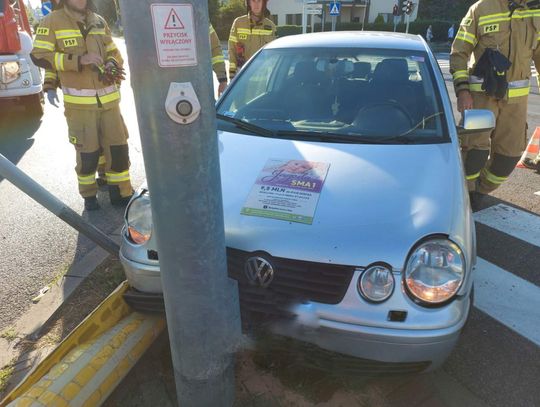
(347, 218)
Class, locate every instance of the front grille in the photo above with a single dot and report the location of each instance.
(295, 280)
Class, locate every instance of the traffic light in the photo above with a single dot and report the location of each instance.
(408, 7)
(405, 5)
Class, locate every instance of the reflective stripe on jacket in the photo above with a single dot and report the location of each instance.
(61, 40)
(51, 81)
(246, 38)
(490, 24)
(218, 61)
(88, 96)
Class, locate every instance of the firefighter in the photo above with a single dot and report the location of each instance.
(490, 63)
(249, 33)
(218, 62)
(77, 43)
(50, 84)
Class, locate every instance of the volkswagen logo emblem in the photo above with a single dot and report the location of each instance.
(259, 271)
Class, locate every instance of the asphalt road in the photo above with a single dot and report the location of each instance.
(497, 359)
(35, 246)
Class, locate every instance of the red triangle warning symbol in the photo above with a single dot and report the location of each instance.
(173, 21)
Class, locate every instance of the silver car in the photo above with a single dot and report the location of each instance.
(347, 218)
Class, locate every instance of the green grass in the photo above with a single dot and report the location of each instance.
(5, 374)
(9, 334)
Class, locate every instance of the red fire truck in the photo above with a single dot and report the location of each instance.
(20, 79)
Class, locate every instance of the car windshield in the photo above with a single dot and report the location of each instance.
(337, 94)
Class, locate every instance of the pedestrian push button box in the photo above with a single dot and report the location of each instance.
(182, 104)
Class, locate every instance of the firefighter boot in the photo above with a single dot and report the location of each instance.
(91, 203)
(116, 198)
(476, 198)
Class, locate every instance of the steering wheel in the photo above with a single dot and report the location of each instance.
(387, 115)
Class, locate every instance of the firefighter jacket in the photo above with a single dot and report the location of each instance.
(218, 62)
(60, 41)
(246, 38)
(515, 34)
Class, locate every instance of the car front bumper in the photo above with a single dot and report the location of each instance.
(143, 277)
(343, 327)
(397, 346)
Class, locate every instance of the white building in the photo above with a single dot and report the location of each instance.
(289, 12)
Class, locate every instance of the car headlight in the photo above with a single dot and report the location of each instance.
(139, 219)
(376, 283)
(435, 271)
(9, 71)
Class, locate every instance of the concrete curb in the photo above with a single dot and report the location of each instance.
(29, 326)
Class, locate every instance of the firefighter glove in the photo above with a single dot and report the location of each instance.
(240, 54)
(52, 97)
(492, 67)
(111, 73)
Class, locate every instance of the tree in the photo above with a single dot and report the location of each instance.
(449, 10)
(227, 13)
(213, 11)
(107, 9)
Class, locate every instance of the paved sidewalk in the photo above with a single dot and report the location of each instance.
(278, 374)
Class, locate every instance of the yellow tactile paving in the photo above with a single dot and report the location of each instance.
(84, 373)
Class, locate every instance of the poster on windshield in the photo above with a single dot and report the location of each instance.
(287, 190)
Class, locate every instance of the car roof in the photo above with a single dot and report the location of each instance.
(346, 39)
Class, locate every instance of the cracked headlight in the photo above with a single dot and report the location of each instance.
(435, 271)
(139, 219)
(9, 72)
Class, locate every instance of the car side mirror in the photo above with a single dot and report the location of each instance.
(476, 121)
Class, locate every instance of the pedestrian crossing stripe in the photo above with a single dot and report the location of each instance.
(509, 299)
(504, 296)
(515, 222)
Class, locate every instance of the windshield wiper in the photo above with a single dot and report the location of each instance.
(325, 137)
(261, 131)
(399, 139)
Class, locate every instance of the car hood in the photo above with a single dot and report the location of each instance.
(377, 201)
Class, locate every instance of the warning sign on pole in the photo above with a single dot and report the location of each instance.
(174, 33)
(173, 21)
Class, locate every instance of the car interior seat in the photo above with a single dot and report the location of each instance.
(361, 70)
(309, 95)
(391, 95)
(351, 88)
(390, 83)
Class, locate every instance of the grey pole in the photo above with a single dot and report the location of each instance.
(407, 19)
(304, 18)
(43, 197)
(323, 21)
(182, 168)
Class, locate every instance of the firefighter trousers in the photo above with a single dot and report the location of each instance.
(490, 157)
(98, 132)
